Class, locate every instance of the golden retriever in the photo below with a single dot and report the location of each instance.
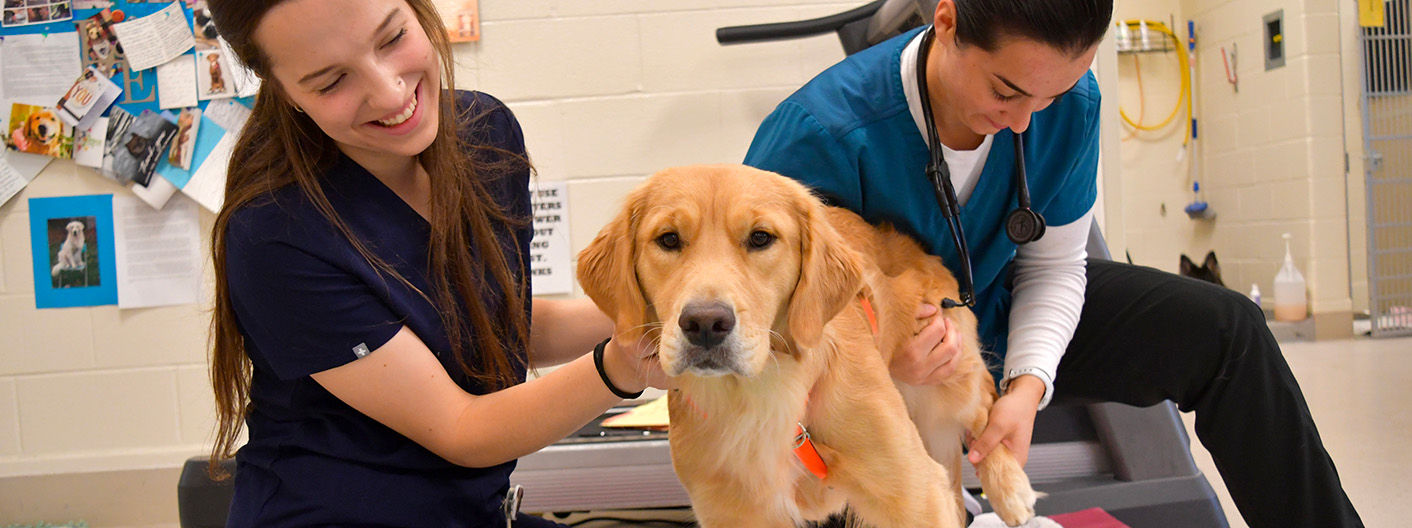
(752, 288)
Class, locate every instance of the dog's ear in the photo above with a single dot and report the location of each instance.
(1187, 266)
(607, 273)
(830, 275)
(1211, 264)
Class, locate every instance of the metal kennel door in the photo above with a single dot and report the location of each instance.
(1387, 137)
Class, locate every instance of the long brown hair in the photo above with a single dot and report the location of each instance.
(280, 147)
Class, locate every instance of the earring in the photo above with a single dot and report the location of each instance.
(298, 109)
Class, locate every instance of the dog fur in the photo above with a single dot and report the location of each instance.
(71, 251)
(798, 349)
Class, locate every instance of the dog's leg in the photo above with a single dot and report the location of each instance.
(729, 506)
(1004, 480)
(940, 432)
(900, 487)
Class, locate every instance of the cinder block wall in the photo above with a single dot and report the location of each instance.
(1271, 156)
(99, 407)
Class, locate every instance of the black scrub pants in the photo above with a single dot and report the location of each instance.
(1146, 336)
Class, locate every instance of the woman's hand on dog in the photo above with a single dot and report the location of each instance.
(1011, 421)
(929, 358)
(635, 366)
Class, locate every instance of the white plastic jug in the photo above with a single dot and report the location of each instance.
(1291, 302)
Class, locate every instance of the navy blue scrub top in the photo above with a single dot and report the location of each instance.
(306, 301)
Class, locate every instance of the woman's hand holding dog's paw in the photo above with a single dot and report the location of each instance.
(635, 366)
(1011, 421)
(929, 358)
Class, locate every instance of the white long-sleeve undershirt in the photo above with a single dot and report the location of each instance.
(1048, 291)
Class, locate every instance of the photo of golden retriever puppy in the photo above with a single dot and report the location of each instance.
(38, 130)
(753, 290)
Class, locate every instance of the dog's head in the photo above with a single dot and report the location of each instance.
(43, 127)
(75, 230)
(722, 260)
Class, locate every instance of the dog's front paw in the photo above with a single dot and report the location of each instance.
(1008, 488)
(1017, 507)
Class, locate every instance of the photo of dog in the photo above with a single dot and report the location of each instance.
(38, 130)
(218, 80)
(188, 124)
(777, 317)
(74, 260)
(135, 145)
(214, 82)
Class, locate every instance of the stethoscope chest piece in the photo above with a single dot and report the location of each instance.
(1024, 225)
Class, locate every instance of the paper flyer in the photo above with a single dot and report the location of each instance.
(158, 253)
(11, 181)
(176, 83)
(155, 39)
(38, 68)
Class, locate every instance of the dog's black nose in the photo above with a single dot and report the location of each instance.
(706, 325)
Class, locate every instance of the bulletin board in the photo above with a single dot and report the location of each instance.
(116, 119)
(204, 135)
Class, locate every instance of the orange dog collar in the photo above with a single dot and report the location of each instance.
(872, 317)
(805, 452)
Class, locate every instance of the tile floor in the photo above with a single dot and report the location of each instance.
(1359, 391)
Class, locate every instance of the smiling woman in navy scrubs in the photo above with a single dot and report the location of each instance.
(373, 320)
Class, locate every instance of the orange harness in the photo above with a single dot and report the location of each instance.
(804, 444)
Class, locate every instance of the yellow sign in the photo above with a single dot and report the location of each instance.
(1370, 13)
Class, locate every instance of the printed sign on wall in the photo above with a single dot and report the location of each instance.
(551, 271)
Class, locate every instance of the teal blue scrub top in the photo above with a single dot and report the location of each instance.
(849, 135)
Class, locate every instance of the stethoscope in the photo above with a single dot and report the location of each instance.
(1022, 225)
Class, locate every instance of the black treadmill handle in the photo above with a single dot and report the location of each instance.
(792, 30)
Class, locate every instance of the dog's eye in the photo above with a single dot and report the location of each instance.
(761, 240)
(669, 241)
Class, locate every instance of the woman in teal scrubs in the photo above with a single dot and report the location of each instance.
(1067, 327)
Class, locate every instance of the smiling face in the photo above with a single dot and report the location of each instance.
(988, 91)
(44, 127)
(365, 72)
